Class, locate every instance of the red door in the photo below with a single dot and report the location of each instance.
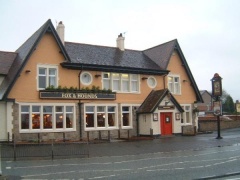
(166, 123)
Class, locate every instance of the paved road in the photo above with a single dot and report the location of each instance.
(166, 144)
(179, 157)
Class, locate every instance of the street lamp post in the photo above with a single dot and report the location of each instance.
(216, 94)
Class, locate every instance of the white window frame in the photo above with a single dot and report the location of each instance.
(149, 83)
(130, 116)
(107, 127)
(174, 91)
(47, 66)
(82, 76)
(120, 81)
(53, 129)
(187, 110)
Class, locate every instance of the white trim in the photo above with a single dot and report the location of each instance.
(54, 129)
(148, 82)
(183, 115)
(130, 115)
(120, 79)
(47, 66)
(81, 78)
(179, 83)
(95, 128)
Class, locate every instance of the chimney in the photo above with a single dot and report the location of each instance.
(60, 30)
(120, 42)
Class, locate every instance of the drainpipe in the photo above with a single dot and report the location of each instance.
(79, 107)
(164, 81)
(137, 124)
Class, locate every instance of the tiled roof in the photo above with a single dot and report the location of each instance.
(23, 54)
(6, 60)
(108, 56)
(161, 54)
(151, 61)
(154, 99)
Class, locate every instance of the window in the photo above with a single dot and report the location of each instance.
(86, 78)
(152, 83)
(125, 82)
(134, 83)
(36, 117)
(47, 117)
(186, 115)
(121, 82)
(90, 116)
(25, 110)
(100, 117)
(54, 118)
(174, 84)
(116, 82)
(111, 113)
(47, 76)
(127, 116)
(106, 81)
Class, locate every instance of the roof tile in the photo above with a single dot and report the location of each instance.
(6, 60)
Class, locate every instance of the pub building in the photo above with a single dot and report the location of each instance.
(50, 89)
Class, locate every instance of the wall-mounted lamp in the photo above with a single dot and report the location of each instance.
(27, 71)
(97, 75)
(166, 102)
(144, 78)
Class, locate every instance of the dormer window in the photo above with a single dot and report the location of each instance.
(47, 76)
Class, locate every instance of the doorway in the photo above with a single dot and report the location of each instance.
(166, 123)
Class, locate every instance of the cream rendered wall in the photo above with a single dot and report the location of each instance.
(3, 122)
(144, 124)
(175, 66)
(155, 125)
(6, 120)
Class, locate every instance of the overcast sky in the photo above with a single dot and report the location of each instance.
(208, 31)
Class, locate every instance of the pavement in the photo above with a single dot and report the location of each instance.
(165, 144)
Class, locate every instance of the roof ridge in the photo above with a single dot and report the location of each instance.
(8, 52)
(38, 30)
(160, 44)
(101, 46)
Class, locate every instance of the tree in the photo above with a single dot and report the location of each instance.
(228, 105)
